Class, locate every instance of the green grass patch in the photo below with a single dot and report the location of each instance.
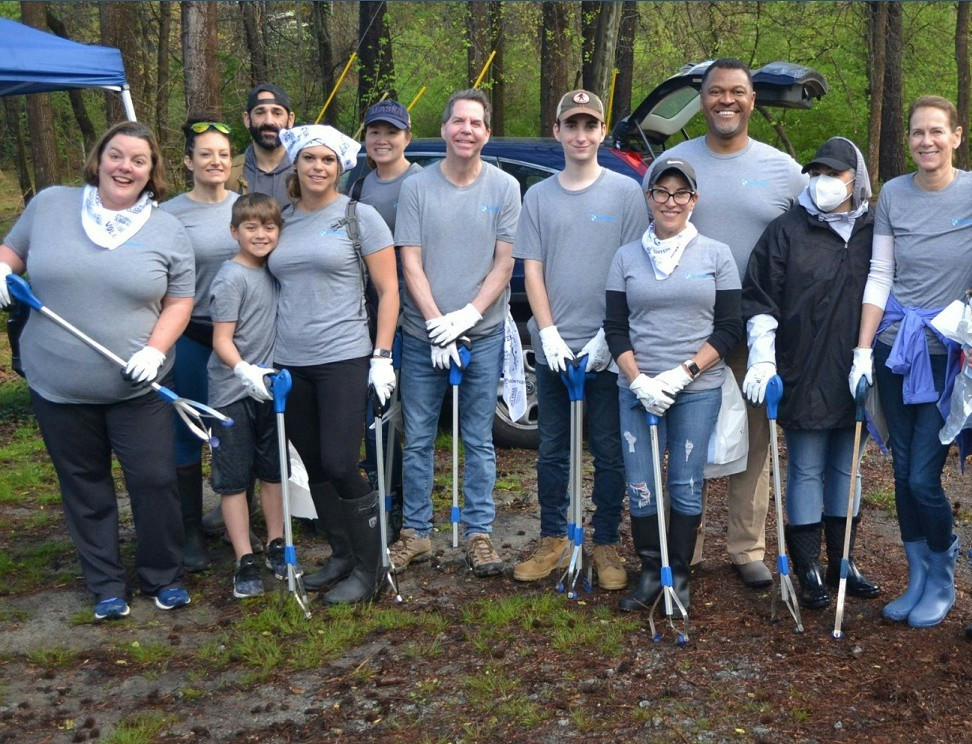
(52, 656)
(192, 694)
(148, 653)
(25, 567)
(13, 616)
(493, 692)
(27, 470)
(883, 497)
(140, 729)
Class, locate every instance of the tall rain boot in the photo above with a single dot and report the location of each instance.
(683, 531)
(644, 534)
(939, 594)
(803, 545)
(332, 522)
(361, 518)
(195, 557)
(857, 585)
(917, 554)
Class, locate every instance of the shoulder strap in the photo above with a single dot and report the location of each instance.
(355, 192)
(351, 224)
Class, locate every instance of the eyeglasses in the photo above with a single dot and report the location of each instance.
(204, 126)
(661, 196)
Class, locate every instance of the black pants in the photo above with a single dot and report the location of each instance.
(80, 439)
(325, 421)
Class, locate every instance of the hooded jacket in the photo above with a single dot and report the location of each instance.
(804, 275)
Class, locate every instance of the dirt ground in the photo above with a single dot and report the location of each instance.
(464, 659)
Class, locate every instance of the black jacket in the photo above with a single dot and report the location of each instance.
(802, 273)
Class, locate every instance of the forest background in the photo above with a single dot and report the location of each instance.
(201, 58)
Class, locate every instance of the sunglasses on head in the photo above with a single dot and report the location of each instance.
(204, 126)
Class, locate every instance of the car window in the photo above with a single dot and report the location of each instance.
(525, 175)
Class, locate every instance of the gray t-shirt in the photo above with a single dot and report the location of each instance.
(321, 314)
(670, 319)
(383, 195)
(932, 233)
(741, 193)
(273, 183)
(457, 228)
(576, 234)
(113, 296)
(248, 297)
(208, 226)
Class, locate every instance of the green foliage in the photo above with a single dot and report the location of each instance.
(52, 656)
(140, 729)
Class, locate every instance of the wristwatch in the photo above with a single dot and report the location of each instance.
(692, 368)
(381, 354)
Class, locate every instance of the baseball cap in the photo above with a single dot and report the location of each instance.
(580, 102)
(836, 153)
(391, 111)
(280, 97)
(660, 167)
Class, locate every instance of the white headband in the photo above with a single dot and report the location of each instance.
(310, 135)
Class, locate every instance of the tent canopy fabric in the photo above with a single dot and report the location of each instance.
(33, 61)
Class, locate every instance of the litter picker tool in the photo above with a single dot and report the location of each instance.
(380, 409)
(574, 378)
(193, 413)
(860, 400)
(455, 380)
(774, 393)
(280, 384)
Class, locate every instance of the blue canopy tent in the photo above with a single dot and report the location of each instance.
(33, 61)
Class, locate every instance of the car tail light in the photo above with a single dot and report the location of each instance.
(633, 159)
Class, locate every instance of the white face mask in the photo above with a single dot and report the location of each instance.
(828, 192)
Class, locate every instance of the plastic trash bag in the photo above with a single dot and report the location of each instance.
(301, 503)
(729, 443)
(955, 323)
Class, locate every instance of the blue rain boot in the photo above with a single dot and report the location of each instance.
(939, 594)
(917, 553)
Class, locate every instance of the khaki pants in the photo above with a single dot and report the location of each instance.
(748, 492)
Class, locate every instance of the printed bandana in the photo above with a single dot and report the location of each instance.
(108, 228)
(665, 254)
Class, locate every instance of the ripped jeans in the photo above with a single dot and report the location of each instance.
(684, 430)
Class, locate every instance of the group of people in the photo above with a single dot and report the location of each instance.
(729, 259)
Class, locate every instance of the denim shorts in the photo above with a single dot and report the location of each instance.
(246, 449)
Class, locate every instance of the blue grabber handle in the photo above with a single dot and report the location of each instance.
(860, 399)
(20, 290)
(774, 394)
(465, 354)
(652, 418)
(280, 385)
(574, 378)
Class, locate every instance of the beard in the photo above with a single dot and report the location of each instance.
(258, 135)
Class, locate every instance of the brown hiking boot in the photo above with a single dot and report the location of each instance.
(611, 575)
(551, 554)
(481, 557)
(410, 548)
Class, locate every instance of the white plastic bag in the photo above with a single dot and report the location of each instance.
(301, 503)
(729, 443)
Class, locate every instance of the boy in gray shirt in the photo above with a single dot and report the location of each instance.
(571, 226)
(243, 305)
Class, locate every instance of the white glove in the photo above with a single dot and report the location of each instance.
(441, 355)
(653, 394)
(381, 377)
(253, 380)
(676, 379)
(447, 328)
(144, 364)
(598, 354)
(863, 366)
(4, 292)
(754, 384)
(555, 349)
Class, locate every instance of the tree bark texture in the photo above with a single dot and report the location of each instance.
(477, 40)
(554, 61)
(877, 24)
(964, 81)
(11, 108)
(252, 13)
(40, 119)
(376, 73)
(162, 74)
(892, 162)
(118, 29)
(323, 62)
(80, 111)
(200, 42)
(496, 69)
(605, 45)
(624, 61)
(590, 15)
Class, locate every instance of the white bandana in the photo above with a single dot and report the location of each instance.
(665, 254)
(311, 135)
(107, 227)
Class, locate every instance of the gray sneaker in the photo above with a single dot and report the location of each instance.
(481, 557)
(246, 578)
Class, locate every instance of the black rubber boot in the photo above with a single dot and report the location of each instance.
(644, 534)
(332, 522)
(195, 557)
(857, 585)
(361, 518)
(803, 545)
(683, 531)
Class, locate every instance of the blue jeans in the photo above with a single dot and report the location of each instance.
(553, 462)
(818, 474)
(689, 423)
(423, 389)
(918, 456)
(190, 380)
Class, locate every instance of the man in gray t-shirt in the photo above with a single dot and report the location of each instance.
(455, 225)
(571, 226)
(264, 166)
(743, 186)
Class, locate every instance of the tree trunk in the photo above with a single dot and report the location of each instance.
(11, 107)
(877, 24)
(554, 61)
(964, 81)
(324, 53)
(590, 15)
(477, 40)
(602, 65)
(376, 74)
(85, 126)
(200, 60)
(162, 74)
(118, 30)
(892, 155)
(496, 70)
(253, 19)
(40, 119)
(624, 60)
